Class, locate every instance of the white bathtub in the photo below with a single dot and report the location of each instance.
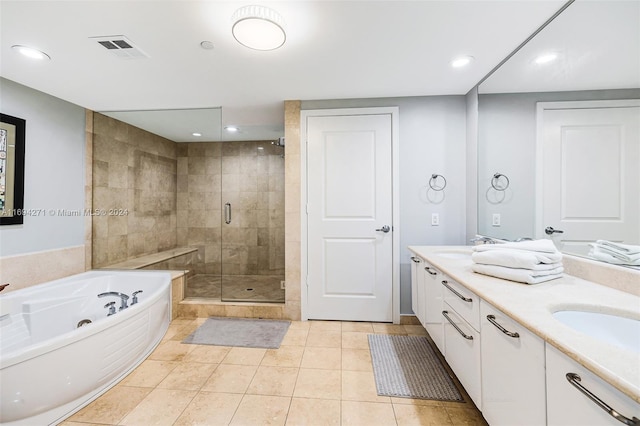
(50, 368)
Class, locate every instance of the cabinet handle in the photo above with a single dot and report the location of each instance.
(466, 336)
(415, 259)
(466, 299)
(428, 269)
(492, 320)
(575, 379)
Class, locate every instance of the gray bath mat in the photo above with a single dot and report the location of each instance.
(243, 332)
(407, 366)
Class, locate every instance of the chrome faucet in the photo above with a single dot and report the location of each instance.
(484, 240)
(123, 298)
(134, 297)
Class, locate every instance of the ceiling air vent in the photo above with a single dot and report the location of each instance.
(120, 46)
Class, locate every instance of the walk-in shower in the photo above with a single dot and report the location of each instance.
(230, 206)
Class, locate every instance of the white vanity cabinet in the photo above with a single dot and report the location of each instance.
(433, 319)
(513, 371)
(417, 275)
(568, 402)
(461, 316)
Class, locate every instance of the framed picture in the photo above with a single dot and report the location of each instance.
(12, 136)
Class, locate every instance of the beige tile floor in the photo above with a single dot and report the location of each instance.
(321, 375)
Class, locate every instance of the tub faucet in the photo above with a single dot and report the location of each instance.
(484, 240)
(123, 298)
(134, 297)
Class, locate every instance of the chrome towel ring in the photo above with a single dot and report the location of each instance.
(497, 184)
(433, 182)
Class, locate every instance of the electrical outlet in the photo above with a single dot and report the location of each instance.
(435, 219)
(496, 219)
(282, 285)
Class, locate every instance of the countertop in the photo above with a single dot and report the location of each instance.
(532, 306)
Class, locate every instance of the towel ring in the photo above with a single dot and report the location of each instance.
(495, 182)
(433, 182)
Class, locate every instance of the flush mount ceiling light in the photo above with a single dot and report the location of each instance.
(231, 129)
(30, 52)
(196, 134)
(258, 28)
(546, 58)
(462, 61)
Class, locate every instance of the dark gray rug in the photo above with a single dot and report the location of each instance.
(407, 366)
(242, 332)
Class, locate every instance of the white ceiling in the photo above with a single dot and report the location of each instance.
(334, 50)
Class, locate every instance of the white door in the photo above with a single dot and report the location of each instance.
(349, 217)
(591, 174)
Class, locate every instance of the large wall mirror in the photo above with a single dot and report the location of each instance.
(558, 132)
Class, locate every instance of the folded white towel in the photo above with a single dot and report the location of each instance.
(622, 248)
(518, 259)
(598, 253)
(615, 253)
(542, 246)
(520, 275)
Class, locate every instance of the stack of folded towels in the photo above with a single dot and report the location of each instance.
(616, 253)
(529, 262)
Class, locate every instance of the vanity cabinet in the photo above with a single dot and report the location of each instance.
(433, 319)
(462, 336)
(513, 371)
(416, 275)
(569, 404)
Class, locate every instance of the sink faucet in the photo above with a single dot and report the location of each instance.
(484, 240)
(123, 298)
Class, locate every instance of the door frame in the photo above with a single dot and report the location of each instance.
(395, 187)
(541, 107)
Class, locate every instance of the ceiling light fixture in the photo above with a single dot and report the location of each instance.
(546, 58)
(231, 129)
(196, 134)
(258, 28)
(462, 61)
(30, 52)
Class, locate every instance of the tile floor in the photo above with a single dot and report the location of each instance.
(321, 375)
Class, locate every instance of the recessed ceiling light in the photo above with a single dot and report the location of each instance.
(258, 27)
(30, 52)
(462, 61)
(196, 134)
(546, 58)
(231, 129)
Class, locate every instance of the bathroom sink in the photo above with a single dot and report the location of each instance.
(616, 330)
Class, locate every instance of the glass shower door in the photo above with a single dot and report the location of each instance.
(252, 223)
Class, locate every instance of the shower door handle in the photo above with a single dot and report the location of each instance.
(227, 213)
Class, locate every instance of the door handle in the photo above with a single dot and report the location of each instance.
(384, 229)
(550, 231)
(227, 213)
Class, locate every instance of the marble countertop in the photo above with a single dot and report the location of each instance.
(533, 305)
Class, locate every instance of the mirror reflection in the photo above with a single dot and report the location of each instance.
(559, 132)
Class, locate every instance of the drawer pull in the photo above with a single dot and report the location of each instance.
(575, 379)
(466, 336)
(428, 269)
(466, 299)
(492, 320)
(415, 259)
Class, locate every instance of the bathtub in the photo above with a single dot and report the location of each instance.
(59, 350)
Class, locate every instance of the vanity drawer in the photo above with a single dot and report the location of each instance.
(465, 302)
(462, 352)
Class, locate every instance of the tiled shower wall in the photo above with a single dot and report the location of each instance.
(134, 191)
(249, 176)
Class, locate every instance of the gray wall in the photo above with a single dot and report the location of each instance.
(507, 144)
(432, 140)
(54, 170)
